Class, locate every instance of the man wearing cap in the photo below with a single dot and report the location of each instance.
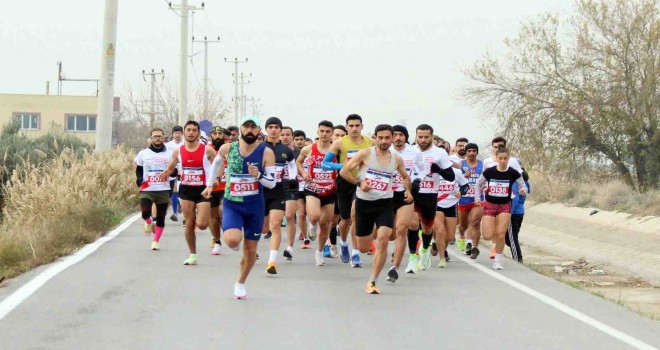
(276, 197)
(176, 142)
(250, 167)
(469, 215)
(195, 160)
(217, 140)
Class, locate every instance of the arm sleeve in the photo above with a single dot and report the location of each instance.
(448, 173)
(460, 179)
(215, 168)
(521, 183)
(139, 174)
(477, 186)
(293, 169)
(328, 164)
(267, 179)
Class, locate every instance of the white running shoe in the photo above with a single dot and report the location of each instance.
(413, 263)
(311, 233)
(442, 263)
(497, 265)
(216, 249)
(319, 258)
(424, 259)
(154, 245)
(239, 291)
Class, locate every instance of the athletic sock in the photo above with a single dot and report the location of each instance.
(333, 235)
(355, 252)
(289, 248)
(498, 257)
(469, 241)
(343, 243)
(148, 220)
(372, 279)
(158, 233)
(426, 240)
(413, 238)
(273, 256)
(175, 203)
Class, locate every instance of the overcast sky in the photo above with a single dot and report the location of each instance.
(311, 60)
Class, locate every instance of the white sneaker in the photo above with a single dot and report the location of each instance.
(497, 265)
(413, 263)
(239, 291)
(311, 233)
(319, 258)
(216, 249)
(424, 259)
(442, 263)
(154, 245)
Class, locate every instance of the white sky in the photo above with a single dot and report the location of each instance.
(385, 60)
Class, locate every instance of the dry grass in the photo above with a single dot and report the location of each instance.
(54, 208)
(613, 195)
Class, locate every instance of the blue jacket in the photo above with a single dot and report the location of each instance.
(518, 202)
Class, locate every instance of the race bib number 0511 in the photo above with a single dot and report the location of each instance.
(242, 185)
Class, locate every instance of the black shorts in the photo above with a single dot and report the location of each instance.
(450, 212)
(336, 205)
(216, 198)
(425, 204)
(344, 201)
(325, 200)
(368, 213)
(192, 193)
(292, 195)
(398, 201)
(278, 203)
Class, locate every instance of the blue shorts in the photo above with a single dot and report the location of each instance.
(247, 216)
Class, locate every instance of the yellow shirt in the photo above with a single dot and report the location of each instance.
(350, 149)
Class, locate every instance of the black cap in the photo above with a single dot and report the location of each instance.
(273, 120)
(471, 146)
(216, 128)
(177, 128)
(402, 129)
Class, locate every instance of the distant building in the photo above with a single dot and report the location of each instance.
(74, 114)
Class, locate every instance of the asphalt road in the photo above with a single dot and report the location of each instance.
(125, 296)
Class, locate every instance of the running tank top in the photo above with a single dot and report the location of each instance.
(378, 177)
(241, 186)
(195, 166)
(476, 171)
(350, 149)
(323, 181)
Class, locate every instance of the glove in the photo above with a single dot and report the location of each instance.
(415, 186)
(435, 168)
(293, 184)
(464, 189)
(138, 182)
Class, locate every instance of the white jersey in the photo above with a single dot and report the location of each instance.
(447, 190)
(153, 163)
(414, 163)
(513, 163)
(173, 144)
(430, 181)
(455, 159)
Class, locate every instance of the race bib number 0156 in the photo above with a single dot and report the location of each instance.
(242, 185)
(193, 177)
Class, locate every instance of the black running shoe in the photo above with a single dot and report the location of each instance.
(434, 249)
(447, 259)
(474, 253)
(392, 275)
(287, 254)
(468, 248)
(268, 235)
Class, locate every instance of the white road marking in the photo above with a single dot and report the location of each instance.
(21, 294)
(634, 342)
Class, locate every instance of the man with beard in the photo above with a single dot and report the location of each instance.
(330, 251)
(291, 189)
(250, 167)
(276, 197)
(150, 162)
(217, 140)
(373, 205)
(176, 142)
(469, 215)
(195, 160)
(457, 154)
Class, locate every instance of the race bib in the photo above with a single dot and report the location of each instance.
(153, 177)
(223, 179)
(192, 176)
(322, 176)
(242, 185)
(378, 181)
(279, 171)
(446, 188)
(426, 186)
(351, 153)
(470, 192)
(397, 180)
(498, 188)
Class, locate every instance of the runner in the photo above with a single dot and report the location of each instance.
(445, 217)
(403, 211)
(150, 162)
(175, 143)
(250, 167)
(233, 130)
(292, 197)
(469, 215)
(320, 187)
(217, 140)
(376, 166)
(331, 251)
(345, 148)
(276, 197)
(437, 164)
(195, 160)
(497, 204)
(517, 214)
(298, 143)
(458, 152)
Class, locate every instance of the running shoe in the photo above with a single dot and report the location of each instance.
(461, 245)
(174, 217)
(333, 251)
(497, 265)
(424, 259)
(392, 275)
(492, 252)
(474, 253)
(413, 263)
(184, 222)
(372, 289)
(192, 260)
(283, 224)
(288, 254)
(311, 233)
(447, 259)
(258, 257)
(239, 291)
(468, 248)
(372, 250)
(154, 245)
(356, 261)
(268, 235)
(434, 249)
(149, 228)
(271, 268)
(318, 256)
(216, 249)
(442, 263)
(343, 253)
(326, 251)
(305, 245)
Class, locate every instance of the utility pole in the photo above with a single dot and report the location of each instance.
(206, 72)
(107, 87)
(242, 95)
(152, 101)
(184, 9)
(236, 101)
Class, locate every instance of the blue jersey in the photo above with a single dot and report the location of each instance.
(476, 171)
(242, 187)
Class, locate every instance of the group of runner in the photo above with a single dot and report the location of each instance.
(244, 181)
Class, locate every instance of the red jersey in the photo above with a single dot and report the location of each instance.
(324, 182)
(192, 164)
